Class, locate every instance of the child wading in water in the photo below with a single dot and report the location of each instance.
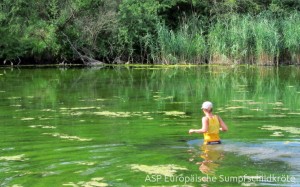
(211, 124)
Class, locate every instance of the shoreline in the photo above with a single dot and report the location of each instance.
(143, 65)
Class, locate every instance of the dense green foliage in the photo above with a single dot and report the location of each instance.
(151, 31)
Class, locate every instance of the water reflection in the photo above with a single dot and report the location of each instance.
(211, 157)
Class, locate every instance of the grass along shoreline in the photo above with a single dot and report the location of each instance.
(239, 39)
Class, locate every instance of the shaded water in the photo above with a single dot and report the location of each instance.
(129, 126)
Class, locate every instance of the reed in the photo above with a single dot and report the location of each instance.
(291, 37)
(239, 36)
(266, 39)
(229, 40)
(237, 39)
(185, 45)
(217, 42)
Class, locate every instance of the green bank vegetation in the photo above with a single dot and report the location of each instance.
(150, 31)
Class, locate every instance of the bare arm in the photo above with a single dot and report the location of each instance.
(204, 127)
(222, 124)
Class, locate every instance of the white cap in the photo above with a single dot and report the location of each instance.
(207, 105)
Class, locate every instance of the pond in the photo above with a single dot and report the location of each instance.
(128, 126)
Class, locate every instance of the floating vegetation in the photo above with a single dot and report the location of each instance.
(13, 158)
(176, 113)
(101, 99)
(277, 108)
(82, 163)
(80, 108)
(242, 91)
(17, 185)
(180, 102)
(235, 107)
(12, 98)
(242, 101)
(166, 170)
(254, 103)
(292, 130)
(276, 103)
(158, 98)
(248, 184)
(27, 119)
(47, 110)
(140, 114)
(294, 113)
(16, 105)
(116, 114)
(76, 113)
(68, 137)
(277, 134)
(256, 109)
(245, 116)
(94, 182)
(42, 126)
(277, 115)
(41, 118)
(90, 100)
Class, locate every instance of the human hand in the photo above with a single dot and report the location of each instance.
(191, 131)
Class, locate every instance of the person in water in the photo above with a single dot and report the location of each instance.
(211, 125)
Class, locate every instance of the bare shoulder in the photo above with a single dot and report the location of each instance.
(204, 118)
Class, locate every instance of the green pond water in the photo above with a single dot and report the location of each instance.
(128, 126)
